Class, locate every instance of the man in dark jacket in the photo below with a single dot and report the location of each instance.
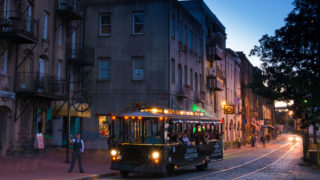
(78, 148)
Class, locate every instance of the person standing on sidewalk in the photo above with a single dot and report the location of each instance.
(78, 148)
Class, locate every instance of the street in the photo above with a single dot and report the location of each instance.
(277, 160)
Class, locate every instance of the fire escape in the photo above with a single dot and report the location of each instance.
(78, 55)
(18, 27)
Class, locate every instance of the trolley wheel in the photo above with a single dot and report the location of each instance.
(124, 174)
(169, 171)
(202, 167)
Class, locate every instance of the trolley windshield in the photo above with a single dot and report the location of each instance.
(138, 130)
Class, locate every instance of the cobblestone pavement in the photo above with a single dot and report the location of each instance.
(276, 161)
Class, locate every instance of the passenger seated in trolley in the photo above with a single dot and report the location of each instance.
(185, 138)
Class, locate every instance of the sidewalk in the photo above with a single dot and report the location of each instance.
(50, 165)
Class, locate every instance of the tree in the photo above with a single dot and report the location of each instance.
(290, 61)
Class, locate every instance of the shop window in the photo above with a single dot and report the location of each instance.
(103, 126)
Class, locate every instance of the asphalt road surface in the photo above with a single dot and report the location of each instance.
(278, 160)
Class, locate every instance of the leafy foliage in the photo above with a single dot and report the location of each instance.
(290, 60)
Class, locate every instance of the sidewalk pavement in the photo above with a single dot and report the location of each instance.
(50, 165)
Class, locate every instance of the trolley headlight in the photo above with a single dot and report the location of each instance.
(298, 139)
(155, 155)
(113, 152)
(290, 138)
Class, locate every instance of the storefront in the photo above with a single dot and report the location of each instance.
(60, 122)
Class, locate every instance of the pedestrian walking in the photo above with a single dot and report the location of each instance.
(78, 148)
(239, 142)
(252, 141)
(263, 141)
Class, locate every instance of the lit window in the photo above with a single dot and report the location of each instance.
(105, 24)
(138, 23)
(103, 126)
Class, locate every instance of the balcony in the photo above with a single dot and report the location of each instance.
(184, 92)
(22, 30)
(218, 53)
(40, 85)
(83, 56)
(70, 9)
(215, 83)
(200, 98)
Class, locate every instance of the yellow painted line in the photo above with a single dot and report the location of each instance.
(267, 165)
(224, 170)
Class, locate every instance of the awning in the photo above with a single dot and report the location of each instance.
(62, 110)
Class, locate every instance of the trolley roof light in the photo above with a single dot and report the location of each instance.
(172, 111)
(155, 155)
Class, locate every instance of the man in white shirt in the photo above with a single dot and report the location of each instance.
(78, 148)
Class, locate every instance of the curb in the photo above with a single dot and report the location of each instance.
(97, 176)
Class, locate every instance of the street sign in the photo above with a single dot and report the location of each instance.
(229, 109)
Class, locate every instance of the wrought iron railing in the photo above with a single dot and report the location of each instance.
(68, 7)
(80, 55)
(34, 82)
(11, 22)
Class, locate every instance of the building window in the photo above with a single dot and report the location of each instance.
(185, 36)
(29, 17)
(59, 71)
(71, 82)
(186, 75)
(190, 40)
(201, 83)
(191, 78)
(103, 126)
(138, 23)
(195, 43)
(196, 82)
(173, 70)
(104, 68)
(138, 68)
(105, 24)
(60, 36)
(45, 26)
(200, 48)
(173, 21)
(3, 62)
(179, 32)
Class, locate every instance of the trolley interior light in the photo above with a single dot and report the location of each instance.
(126, 117)
(113, 118)
(139, 117)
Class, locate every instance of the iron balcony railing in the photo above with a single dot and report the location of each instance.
(70, 9)
(23, 29)
(80, 55)
(36, 83)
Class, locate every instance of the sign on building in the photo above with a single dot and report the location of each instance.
(229, 109)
